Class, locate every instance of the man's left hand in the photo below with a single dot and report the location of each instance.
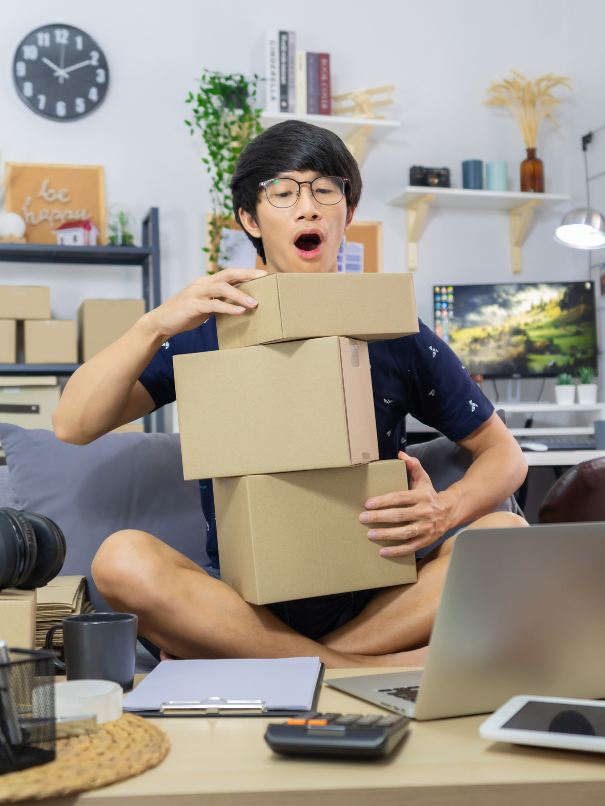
(421, 511)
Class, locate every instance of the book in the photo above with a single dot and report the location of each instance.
(283, 71)
(325, 97)
(313, 83)
(301, 82)
(266, 65)
(291, 71)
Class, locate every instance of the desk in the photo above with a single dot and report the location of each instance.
(559, 458)
(225, 762)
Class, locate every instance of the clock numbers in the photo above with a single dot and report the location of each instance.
(41, 101)
(94, 57)
(43, 38)
(79, 43)
(30, 52)
(28, 89)
(100, 76)
(61, 36)
(80, 105)
(61, 109)
(93, 94)
(20, 69)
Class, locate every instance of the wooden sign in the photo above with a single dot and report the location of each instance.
(46, 196)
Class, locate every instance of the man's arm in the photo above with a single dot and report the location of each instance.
(498, 469)
(105, 391)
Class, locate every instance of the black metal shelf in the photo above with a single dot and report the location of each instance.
(146, 256)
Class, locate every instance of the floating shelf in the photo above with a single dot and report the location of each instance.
(572, 431)
(560, 458)
(551, 408)
(354, 131)
(38, 369)
(520, 208)
(97, 255)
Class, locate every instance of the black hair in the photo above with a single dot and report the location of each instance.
(291, 146)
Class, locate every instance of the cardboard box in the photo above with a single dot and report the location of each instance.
(51, 341)
(24, 302)
(294, 535)
(299, 405)
(103, 321)
(370, 307)
(29, 406)
(8, 341)
(18, 618)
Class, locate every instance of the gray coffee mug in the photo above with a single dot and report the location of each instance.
(599, 434)
(98, 646)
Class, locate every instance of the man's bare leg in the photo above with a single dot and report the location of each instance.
(402, 617)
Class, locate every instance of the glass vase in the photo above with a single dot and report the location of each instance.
(532, 173)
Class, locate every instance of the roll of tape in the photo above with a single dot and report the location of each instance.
(100, 698)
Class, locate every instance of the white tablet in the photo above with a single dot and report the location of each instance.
(549, 722)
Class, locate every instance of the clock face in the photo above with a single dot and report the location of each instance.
(60, 72)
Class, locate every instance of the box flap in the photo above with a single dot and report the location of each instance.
(359, 400)
(251, 327)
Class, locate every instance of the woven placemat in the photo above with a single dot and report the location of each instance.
(119, 750)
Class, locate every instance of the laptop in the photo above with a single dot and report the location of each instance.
(522, 612)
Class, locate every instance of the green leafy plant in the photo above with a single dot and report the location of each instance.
(564, 379)
(119, 229)
(224, 110)
(586, 375)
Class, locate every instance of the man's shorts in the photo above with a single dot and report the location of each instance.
(318, 615)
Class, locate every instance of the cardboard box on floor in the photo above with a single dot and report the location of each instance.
(103, 321)
(18, 618)
(298, 405)
(28, 406)
(370, 307)
(24, 302)
(293, 535)
(50, 341)
(8, 341)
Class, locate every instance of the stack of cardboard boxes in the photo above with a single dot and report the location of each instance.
(282, 418)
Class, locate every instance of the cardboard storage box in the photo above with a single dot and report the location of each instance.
(103, 321)
(299, 405)
(28, 406)
(18, 618)
(8, 341)
(294, 535)
(24, 302)
(50, 341)
(371, 307)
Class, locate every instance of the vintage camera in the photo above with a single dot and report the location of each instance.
(429, 177)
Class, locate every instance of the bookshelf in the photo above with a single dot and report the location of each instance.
(354, 131)
(519, 206)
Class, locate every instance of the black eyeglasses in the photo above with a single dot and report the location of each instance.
(283, 192)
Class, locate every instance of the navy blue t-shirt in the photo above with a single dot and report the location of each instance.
(418, 375)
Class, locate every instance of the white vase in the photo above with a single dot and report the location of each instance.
(565, 395)
(587, 394)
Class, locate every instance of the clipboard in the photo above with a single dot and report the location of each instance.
(217, 707)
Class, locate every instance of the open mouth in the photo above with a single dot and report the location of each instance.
(309, 243)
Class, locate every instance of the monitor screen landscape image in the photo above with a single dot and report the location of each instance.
(527, 329)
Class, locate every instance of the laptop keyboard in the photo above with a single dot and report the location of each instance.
(403, 692)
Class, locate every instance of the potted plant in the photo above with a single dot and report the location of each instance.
(565, 391)
(587, 390)
(223, 109)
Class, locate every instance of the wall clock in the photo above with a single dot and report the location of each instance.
(60, 72)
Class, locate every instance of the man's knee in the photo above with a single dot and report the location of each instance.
(499, 520)
(126, 568)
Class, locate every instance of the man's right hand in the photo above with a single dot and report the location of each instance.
(193, 305)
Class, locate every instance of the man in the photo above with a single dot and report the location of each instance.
(295, 190)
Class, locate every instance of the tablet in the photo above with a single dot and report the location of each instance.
(549, 722)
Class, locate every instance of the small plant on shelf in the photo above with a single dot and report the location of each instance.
(564, 379)
(586, 375)
(224, 110)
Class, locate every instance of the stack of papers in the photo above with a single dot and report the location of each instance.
(63, 596)
(283, 684)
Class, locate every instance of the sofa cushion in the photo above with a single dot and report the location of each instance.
(121, 481)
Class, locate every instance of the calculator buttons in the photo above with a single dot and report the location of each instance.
(388, 721)
(348, 719)
(367, 721)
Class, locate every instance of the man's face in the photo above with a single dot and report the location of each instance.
(303, 238)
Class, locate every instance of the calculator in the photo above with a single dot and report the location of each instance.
(350, 735)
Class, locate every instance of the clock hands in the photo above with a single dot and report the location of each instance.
(77, 66)
(58, 70)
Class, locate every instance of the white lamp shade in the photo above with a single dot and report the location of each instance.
(582, 228)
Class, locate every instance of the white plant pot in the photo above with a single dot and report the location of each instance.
(565, 395)
(587, 394)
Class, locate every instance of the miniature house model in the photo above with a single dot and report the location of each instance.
(77, 233)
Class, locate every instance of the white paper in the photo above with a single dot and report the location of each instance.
(282, 683)
(237, 250)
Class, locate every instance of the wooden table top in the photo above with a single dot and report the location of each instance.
(226, 762)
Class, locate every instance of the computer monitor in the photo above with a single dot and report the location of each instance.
(519, 329)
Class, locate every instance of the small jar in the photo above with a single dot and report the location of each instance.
(121, 226)
(532, 173)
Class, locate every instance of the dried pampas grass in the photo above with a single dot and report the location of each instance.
(529, 101)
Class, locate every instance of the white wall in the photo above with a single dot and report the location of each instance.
(440, 55)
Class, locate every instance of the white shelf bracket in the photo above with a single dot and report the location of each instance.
(416, 212)
(519, 221)
(356, 142)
